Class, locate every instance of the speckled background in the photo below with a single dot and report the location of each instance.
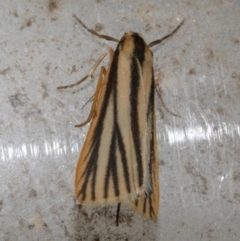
(42, 47)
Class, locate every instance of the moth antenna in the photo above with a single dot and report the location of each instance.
(158, 41)
(94, 32)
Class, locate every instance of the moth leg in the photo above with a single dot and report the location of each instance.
(159, 93)
(90, 100)
(90, 73)
(95, 99)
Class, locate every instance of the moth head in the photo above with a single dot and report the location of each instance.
(131, 41)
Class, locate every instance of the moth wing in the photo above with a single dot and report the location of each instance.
(147, 203)
(107, 168)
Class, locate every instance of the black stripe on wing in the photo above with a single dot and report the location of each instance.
(138, 57)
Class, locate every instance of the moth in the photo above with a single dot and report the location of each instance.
(119, 158)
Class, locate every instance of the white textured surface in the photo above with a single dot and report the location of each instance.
(42, 47)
